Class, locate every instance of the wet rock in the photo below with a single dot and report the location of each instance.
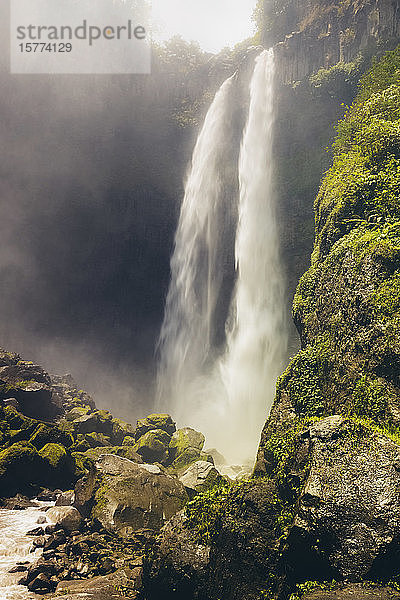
(201, 476)
(19, 569)
(41, 520)
(55, 540)
(67, 516)
(41, 584)
(47, 496)
(36, 531)
(41, 567)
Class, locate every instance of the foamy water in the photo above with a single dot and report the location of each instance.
(16, 546)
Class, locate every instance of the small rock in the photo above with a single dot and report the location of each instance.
(36, 531)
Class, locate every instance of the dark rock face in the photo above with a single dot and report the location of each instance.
(29, 385)
(323, 34)
(180, 563)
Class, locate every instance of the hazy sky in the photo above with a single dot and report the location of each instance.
(212, 23)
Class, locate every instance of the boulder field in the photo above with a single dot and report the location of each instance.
(113, 485)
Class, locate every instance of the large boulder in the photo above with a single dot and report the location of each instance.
(58, 466)
(68, 517)
(155, 421)
(186, 448)
(128, 496)
(30, 385)
(224, 545)
(153, 446)
(20, 466)
(99, 422)
(349, 509)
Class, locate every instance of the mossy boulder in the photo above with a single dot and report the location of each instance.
(77, 412)
(54, 455)
(20, 466)
(17, 420)
(59, 468)
(128, 496)
(100, 422)
(155, 421)
(185, 447)
(45, 434)
(120, 431)
(153, 446)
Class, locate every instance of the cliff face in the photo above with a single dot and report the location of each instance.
(326, 33)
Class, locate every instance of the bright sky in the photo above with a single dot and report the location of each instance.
(213, 23)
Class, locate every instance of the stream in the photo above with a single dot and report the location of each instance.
(15, 546)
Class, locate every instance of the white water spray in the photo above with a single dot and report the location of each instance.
(227, 397)
(16, 546)
(187, 331)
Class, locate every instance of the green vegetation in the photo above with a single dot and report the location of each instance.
(202, 512)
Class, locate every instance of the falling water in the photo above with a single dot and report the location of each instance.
(16, 546)
(187, 332)
(227, 396)
(256, 338)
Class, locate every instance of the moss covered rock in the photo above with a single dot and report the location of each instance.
(153, 446)
(20, 466)
(124, 451)
(156, 421)
(45, 434)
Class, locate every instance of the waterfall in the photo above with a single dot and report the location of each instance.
(186, 339)
(256, 340)
(227, 395)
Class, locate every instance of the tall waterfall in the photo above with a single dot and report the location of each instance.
(227, 394)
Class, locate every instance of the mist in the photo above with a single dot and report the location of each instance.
(91, 180)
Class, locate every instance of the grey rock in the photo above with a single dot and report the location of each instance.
(67, 516)
(201, 476)
(127, 496)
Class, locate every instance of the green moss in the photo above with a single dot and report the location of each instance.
(46, 434)
(54, 455)
(311, 586)
(202, 512)
(306, 378)
(369, 398)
